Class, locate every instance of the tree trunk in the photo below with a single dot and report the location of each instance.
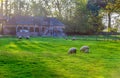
(109, 21)
(6, 7)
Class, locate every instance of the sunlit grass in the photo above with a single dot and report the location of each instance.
(48, 58)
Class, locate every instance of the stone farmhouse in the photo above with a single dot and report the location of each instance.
(32, 26)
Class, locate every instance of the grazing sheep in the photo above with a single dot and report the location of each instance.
(65, 38)
(84, 49)
(19, 37)
(74, 38)
(72, 50)
(27, 37)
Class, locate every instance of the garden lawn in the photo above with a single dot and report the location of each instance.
(48, 58)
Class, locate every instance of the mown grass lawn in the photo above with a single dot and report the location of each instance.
(48, 58)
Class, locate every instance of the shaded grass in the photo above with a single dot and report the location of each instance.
(48, 58)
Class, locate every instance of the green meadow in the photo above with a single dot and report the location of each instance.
(47, 58)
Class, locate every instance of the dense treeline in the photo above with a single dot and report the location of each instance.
(74, 13)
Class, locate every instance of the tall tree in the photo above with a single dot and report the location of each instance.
(111, 8)
(37, 8)
(1, 6)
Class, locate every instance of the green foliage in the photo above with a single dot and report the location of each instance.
(112, 7)
(109, 6)
(93, 7)
(78, 23)
(83, 22)
(48, 58)
(96, 24)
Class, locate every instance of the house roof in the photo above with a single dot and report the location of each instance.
(56, 22)
(29, 20)
(47, 21)
(20, 20)
(39, 20)
(24, 20)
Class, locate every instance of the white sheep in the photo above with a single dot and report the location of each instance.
(84, 49)
(27, 37)
(19, 37)
(72, 50)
